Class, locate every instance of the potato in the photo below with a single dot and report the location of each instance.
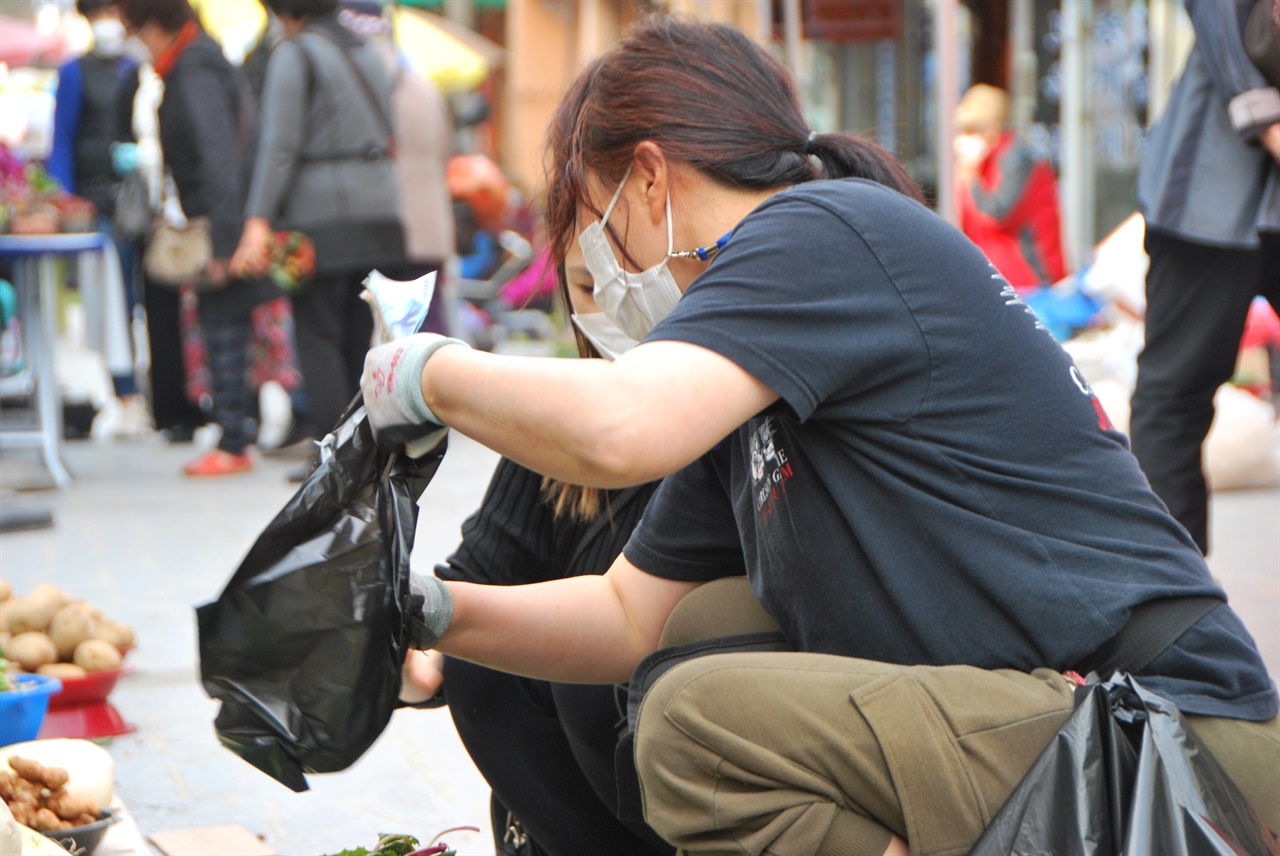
(6, 606)
(6, 590)
(31, 650)
(97, 655)
(61, 670)
(117, 633)
(71, 625)
(51, 592)
(33, 612)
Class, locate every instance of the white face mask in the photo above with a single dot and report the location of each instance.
(603, 334)
(108, 37)
(635, 302)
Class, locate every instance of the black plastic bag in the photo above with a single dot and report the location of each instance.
(305, 644)
(1125, 775)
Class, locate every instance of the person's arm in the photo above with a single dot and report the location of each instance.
(61, 164)
(1014, 168)
(651, 412)
(283, 130)
(1252, 103)
(507, 541)
(588, 629)
(281, 137)
(216, 133)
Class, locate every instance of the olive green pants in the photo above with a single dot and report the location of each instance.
(788, 754)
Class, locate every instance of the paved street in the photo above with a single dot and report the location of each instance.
(148, 545)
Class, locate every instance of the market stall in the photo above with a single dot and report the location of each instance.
(40, 224)
(62, 658)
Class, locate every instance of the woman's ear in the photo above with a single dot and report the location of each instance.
(652, 177)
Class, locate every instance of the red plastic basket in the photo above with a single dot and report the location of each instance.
(95, 686)
(23, 708)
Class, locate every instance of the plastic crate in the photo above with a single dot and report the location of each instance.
(22, 708)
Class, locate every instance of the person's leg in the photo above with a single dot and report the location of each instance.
(723, 607)
(358, 334)
(1250, 753)
(227, 341)
(510, 838)
(170, 407)
(1197, 300)
(320, 331)
(786, 753)
(593, 719)
(511, 728)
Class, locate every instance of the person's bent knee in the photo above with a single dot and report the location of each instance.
(677, 778)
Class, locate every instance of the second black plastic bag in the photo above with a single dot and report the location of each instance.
(1125, 775)
(305, 644)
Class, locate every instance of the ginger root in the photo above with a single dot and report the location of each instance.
(52, 778)
(37, 797)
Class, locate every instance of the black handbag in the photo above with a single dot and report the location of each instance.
(1262, 39)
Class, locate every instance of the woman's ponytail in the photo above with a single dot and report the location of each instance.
(848, 156)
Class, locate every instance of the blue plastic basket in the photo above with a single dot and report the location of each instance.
(22, 708)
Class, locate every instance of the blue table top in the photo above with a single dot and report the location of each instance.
(39, 245)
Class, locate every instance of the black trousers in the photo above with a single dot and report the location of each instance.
(332, 329)
(1198, 297)
(170, 406)
(547, 752)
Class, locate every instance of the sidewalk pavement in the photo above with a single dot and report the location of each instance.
(147, 545)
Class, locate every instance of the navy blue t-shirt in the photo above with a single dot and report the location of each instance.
(938, 484)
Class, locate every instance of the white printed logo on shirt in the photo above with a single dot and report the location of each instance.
(770, 469)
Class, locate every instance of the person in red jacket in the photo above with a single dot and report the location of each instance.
(1008, 195)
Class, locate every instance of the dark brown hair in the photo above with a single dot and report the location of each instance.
(709, 97)
(169, 15)
(574, 500)
(93, 7)
(302, 8)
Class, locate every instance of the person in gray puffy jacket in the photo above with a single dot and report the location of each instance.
(325, 167)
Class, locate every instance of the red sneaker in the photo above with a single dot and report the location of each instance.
(216, 462)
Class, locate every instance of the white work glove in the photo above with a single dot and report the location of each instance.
(392, 387)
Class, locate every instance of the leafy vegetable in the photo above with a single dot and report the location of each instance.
(392, 844)
(389, 844)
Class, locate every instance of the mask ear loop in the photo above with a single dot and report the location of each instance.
(617, 194)
(671, 244)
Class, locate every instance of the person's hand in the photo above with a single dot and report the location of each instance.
(217, 272)
(421, 678)
(969, 150)
(429, 611)
(1271, 140)
(251, 257)
(124, 158)
(392, 387)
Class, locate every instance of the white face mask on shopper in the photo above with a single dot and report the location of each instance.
(108, 37)
(603, 334)
(635, 302)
